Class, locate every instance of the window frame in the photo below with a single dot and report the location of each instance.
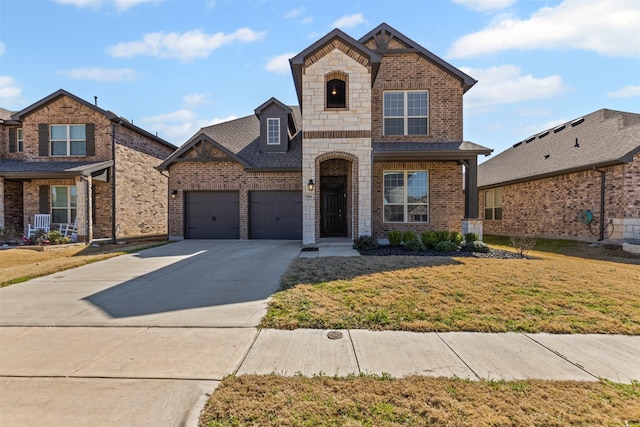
(341, 93)
(70, 208)
(405, 197)
(493, 210)
(405, 113)
(68, 140)
(271, 120)
(19, 140)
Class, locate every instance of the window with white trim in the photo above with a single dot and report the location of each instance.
(406, 196)
(273, 131)
(406, 112)
(20, 140)
(64, 204)
(68, 140)
(493, 204)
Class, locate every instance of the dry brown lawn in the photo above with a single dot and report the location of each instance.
(19, 265)
(419, 401)
(554, 293)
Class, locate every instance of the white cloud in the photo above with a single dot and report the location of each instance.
(531, 130)
(603, 26)
(485, 5)
(280, 64)
(307, 20)
(217, 120)
(121, 5)
(294, 13)
(625, 92)
(506, 84)
(10, 92)
(349, 21)
(2, 48)
(101, 74)
(196, 99)
(185, 47)
(178, 126)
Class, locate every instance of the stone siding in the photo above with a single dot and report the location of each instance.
(446, 201)
(413, 72)
(221, 176)
(548, 207)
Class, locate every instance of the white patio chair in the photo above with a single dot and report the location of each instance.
(40, 222)
(69, 229)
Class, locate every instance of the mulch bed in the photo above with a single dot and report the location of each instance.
(387, 250)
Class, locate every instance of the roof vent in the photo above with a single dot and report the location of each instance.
(543, 134)
(528, 140)
(559, 128)
(546, 156)
(577, 121)
(517, 144)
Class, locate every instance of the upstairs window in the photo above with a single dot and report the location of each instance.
(273, 131)
(336, 93)
(406, 196)
(493, 204)
(406, 113)
(68, 140)
(20, 140)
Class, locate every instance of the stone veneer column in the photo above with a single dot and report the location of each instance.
(1, 202)
(83, 209)
(472, 225)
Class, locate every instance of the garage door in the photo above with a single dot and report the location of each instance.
(212, 215)
(275, 215)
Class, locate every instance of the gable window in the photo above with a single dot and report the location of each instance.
(273, 131)
(493, 204)
(20, 140)
(406, 112)
(336, 93)
(68, 140)
(64, 204)
(406, 196)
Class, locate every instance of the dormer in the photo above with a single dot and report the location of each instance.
(277, 126)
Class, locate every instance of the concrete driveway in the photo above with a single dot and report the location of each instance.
(149, 333)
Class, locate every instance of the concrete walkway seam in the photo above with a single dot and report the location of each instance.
(562, 356)
(246, 353)
(355, 353)
(458, 356)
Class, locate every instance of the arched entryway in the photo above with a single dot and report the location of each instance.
(337, 200)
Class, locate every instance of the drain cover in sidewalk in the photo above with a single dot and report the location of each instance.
(334, 335)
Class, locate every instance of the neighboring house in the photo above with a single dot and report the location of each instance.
(65, 156)
(579, 180)
(376, 145)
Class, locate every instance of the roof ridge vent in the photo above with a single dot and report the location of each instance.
(559, 128)
(517, 144)
(528, 140)
(576, 122)
(543, 134)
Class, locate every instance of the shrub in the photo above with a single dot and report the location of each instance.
(432, 238)
(522, 244)
(414, 245)
(477, 246)
(8, 235)
(446, 246)
(470, 237)
(395, 237)
(428, 239)
(455, 237)
(408, 235)
(363, 243)
(56, 238)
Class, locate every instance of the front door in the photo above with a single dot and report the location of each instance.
(332, 207)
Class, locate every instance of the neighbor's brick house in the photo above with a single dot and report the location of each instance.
(65, 156)
(579, 180)
(375, 145)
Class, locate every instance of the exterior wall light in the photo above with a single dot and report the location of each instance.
(174, 193)
(311, 185)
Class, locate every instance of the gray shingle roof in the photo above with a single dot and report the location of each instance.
(23, 170)
(604, 137)
(428, 150)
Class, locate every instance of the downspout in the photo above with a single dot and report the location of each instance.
(113, 179)
(602, 191)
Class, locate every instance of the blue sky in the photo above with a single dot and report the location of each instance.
(175, 66)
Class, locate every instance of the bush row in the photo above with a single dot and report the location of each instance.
(443, 241)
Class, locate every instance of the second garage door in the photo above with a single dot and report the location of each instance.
(275, 215)
(212, 215)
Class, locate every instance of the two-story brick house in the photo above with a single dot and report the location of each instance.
(69, 158)
(375, 145)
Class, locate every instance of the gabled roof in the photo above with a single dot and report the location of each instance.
(602, 138)
(110, 115)
(239, 139)
(384, 33)
(297, 62)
